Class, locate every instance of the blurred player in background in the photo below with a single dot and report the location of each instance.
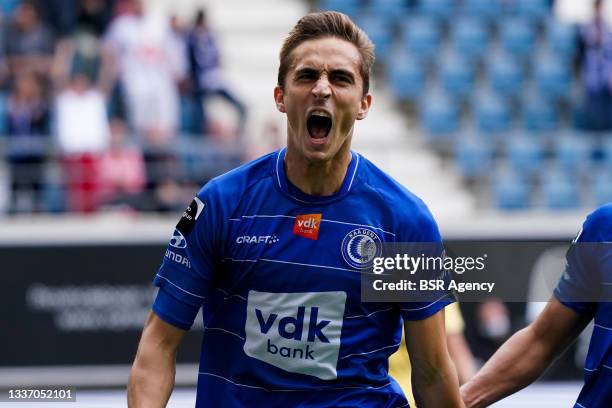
(458, 348)
(272, 253)
(525, 356)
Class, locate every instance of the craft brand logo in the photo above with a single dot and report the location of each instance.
(307, 226)
(257, 239)
(297, 332)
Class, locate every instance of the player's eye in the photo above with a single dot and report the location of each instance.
(306, 75)
(343, 78)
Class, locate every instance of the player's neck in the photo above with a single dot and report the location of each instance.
(318, 178)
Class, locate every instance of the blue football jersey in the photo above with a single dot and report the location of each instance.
(588, 277)
(277, 275)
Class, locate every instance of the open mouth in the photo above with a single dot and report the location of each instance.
(319, 124)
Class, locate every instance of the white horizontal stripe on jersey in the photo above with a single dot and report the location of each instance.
(294, 390)
(426, 306)
(322, 220)
(369, 314)
(290, 263)
(178, 287)
(369, 352)
(226, 331)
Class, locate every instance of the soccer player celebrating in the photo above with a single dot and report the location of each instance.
(583, 293)
(272, 252)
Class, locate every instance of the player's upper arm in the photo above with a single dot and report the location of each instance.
(558, 325)
(161, 336)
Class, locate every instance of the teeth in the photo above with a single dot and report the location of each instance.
(320, 113)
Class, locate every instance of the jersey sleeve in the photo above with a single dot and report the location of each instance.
(578, 287)
(186, 272)
(425, 231)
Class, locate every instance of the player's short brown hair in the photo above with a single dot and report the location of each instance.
(328, 24)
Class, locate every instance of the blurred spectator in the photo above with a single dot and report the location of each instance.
(94, 16)
(494, 320)
(29, 44)
(28, 129)
(8, 7)
(206, 72)
(59, 15)
(83, 135)
(121, 169)
(150, 67)
(595, 64)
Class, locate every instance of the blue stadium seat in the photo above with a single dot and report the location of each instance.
(469, 37)
(456, 76)
(573, 152)
(440, 116)
(421, 36)
(539, 115)
(552, 76)
(607, 152)
(473, 156)
(440, 9)
(348, 7)
(492, 114)
(505, 75)
(559, 190)
(510, 191)
(534, 10)
(601, 186)
(561, 38)
(517, 36)
(525, 154)
(390, 10)
(380, 32)
(485, 9)
(406, 77)
(3, 118)
(189, 115)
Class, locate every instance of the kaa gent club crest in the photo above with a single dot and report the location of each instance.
(360, 247)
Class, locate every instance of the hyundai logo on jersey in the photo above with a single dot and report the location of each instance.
(307, 226)
(297, 332)
(178, 240)
(360, 247)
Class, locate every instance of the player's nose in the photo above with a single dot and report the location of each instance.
(321, 89)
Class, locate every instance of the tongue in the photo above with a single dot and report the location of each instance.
(318, 131)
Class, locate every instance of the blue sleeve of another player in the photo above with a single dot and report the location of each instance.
(579, 285)
(189, 263)
(426, 230)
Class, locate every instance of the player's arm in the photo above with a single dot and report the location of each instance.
(152, 375)
(434, 379)
(525, 355)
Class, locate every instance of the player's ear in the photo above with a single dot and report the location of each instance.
(279, 98)
(366, 102)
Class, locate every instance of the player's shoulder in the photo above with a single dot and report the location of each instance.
(408, 208)
(232, 185)
(598, 225)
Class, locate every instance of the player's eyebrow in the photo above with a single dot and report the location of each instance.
(334, 72)
(306, 70)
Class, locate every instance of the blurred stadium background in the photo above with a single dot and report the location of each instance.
(479, 108)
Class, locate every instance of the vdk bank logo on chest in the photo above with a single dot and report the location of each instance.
(297, 332)
(307, 226)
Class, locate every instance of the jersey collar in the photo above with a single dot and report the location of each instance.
(298, 195)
